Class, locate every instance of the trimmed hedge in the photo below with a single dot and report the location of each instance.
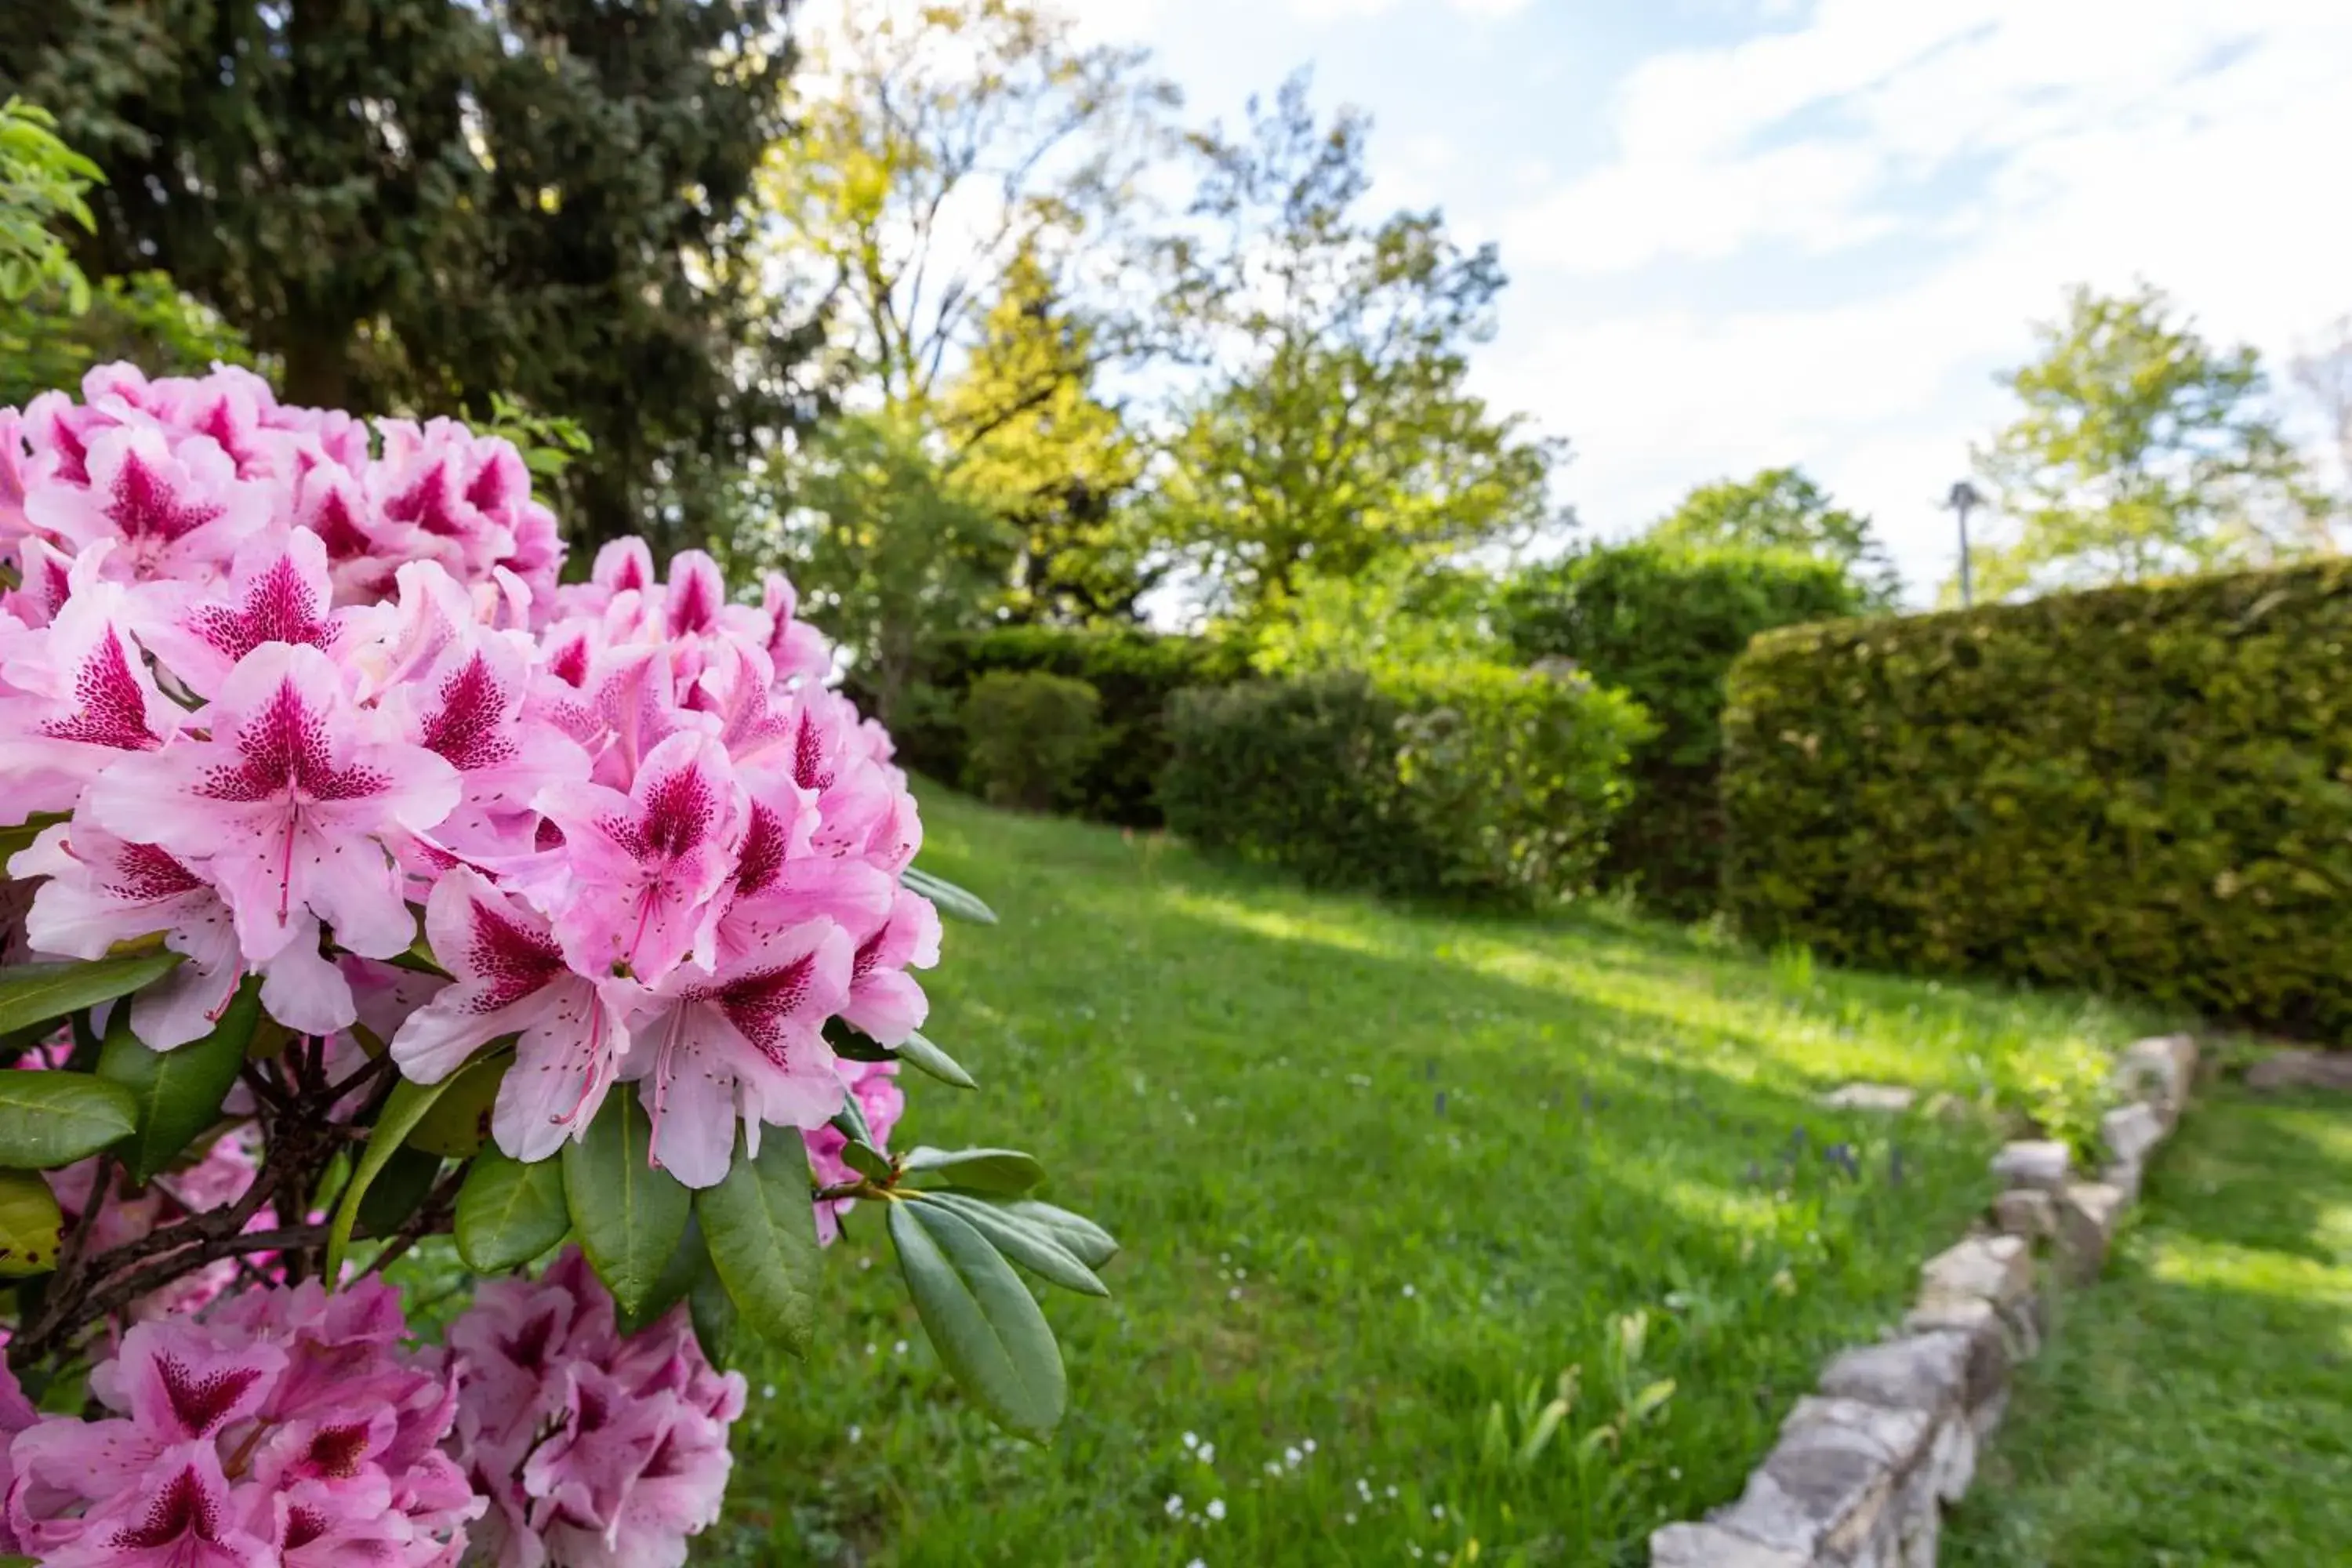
(1664, 622)
(2144, 788)
(1467, 779)
(1028, 735)
(1134, 673)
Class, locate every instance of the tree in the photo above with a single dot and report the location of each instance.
(1031, 437)
(1340, 430)
(414, 204)
(2324, 375)
(1782, 509)
(937, 156)
(2142, 451)
(889, 551)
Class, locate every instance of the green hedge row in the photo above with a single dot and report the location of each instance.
(1133, 672)
(1471, 780)
(2145, 788)
(1664, 624)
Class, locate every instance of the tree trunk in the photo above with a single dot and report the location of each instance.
(318, 370)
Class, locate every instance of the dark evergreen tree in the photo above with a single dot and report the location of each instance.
(414, 204)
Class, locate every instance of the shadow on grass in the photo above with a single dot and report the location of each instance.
(2197, 1406)
(1376, 1172)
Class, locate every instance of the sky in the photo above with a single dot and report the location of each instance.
(1749, 233)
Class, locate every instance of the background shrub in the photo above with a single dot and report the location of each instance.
(2145, 788)
(1664, 623)
(1466, 778)
(1028, 736)
(1134, 673)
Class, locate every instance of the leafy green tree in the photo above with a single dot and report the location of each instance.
(53, 325)
(890, 553)
(1782, 509)
(410, 203)
(2142, 451)
(1395, 615)
(43, 183)
(1340, 431)
(1029, 433)
(937, 156)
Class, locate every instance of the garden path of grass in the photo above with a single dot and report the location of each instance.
(1378, 1173)
(2196, 1408)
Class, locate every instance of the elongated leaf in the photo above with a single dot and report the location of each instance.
(949, 898)
(686, 1264)
(34, 992)
(918, 1052)
(179, 1091)
(459, 1122)
(399, 1189)
(762, 1233)
(1088, 1242)
(52, 1119)
(1031, 1246)
(870, 1163)
(713, 1310)
(403, 1108)
(1004, 1170)
(981, 1319)
(510, 1213)
(855, 1045)
(29, 1223)
(629, 1215)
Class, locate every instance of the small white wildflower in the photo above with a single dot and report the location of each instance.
(1408, 1291)
(1196, 1562)
(854, 1432)
(767, 1391)
(1272, 1469)
(1291, 1457)
(1350, 1518)
(1307, 1444)
(1174, 1505)
(1208, 1453)
(1241, 1273)
(1224, 1257)
(898, 1348)
(1391, 1493)
(1675, 1471)
(873, 1349)
(1408, 1546)
(1234, 1294)
(866, 1263)
(1190, 1441)
(1437, 1510)
(1217, 1507)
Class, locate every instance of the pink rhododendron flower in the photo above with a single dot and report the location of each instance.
(594, 1450)
(288, 1421)
(875, 1084)
(288, 805)
(511, 979)
(744, 1043)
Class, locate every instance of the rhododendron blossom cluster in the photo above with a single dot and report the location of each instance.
(370, 884)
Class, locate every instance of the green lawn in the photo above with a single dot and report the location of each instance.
(2197, 1406)
(1382, 1179)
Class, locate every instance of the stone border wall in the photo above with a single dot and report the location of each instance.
(1864, 1465)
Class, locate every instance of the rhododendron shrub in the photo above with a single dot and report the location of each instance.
(368, 883)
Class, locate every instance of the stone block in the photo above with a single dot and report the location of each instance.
(2161, 1068)
(1891, 1099)
(2034, 1163)
(2088, 1213)
(2026, 1212)
(1996, 1269)
(2303, 1069)
(1823, 1491)
(1926, 1372)
(2129, 1131)
(1900, 1437)
(1995, 1344)
(1708, 1546)
(2125, 1176)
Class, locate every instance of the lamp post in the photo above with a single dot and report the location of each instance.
(1963, 500)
